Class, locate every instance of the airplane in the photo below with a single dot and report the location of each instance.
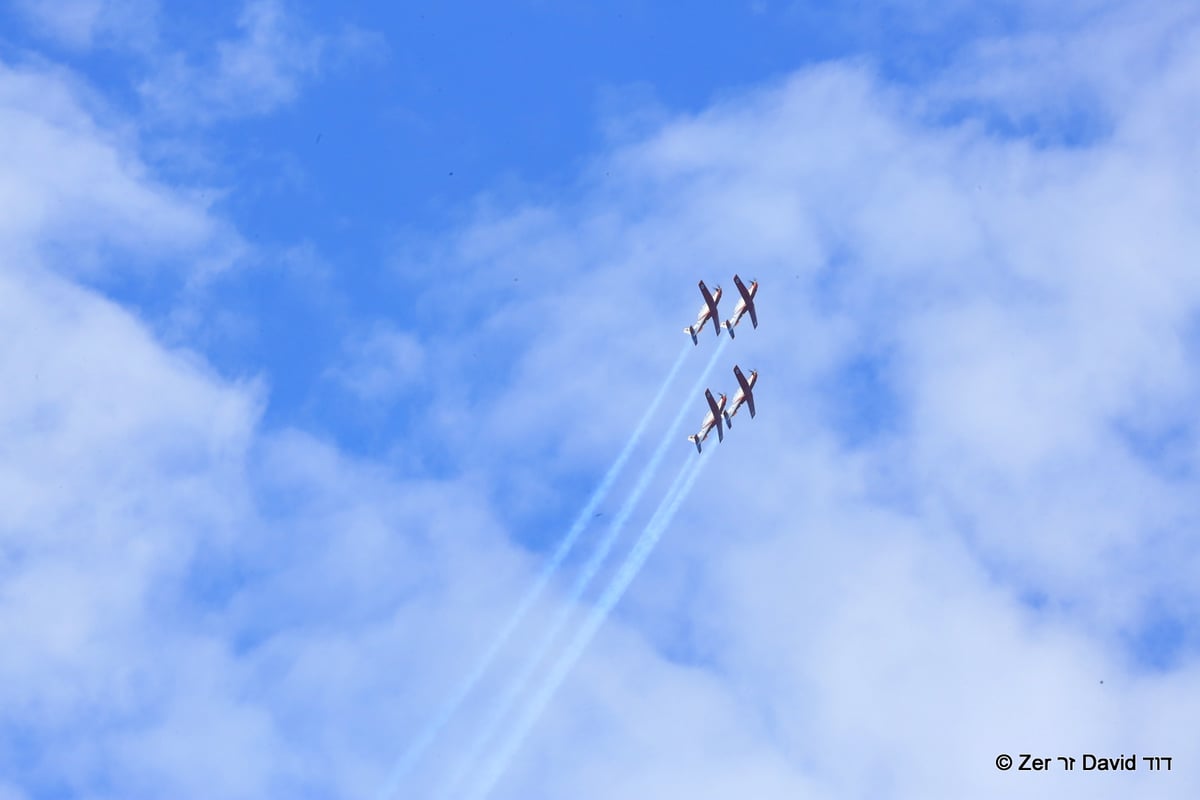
(744, 304)
(743, 395)
(707, 311)
(715, 408)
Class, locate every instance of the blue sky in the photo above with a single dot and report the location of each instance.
(323, 323)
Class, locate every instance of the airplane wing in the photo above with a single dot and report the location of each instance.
(712, 308)
(747, 299)
(716, 412)
(741, 379)
(741, 287)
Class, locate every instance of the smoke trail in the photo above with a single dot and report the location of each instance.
(518, 685)
(451, 706)
(583, 636)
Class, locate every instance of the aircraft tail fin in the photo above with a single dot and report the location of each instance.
(728, 421)
(690, 331)
(729, 327)
(694, 439)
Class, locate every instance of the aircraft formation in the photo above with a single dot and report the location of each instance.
(487, 756)
(719, 411)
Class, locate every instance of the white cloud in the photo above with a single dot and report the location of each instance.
(185, 596)
(889, 611)
(82, 24)
(120, 461)
(381, 363)
(258, 71)
(199, 607)
(71, 186)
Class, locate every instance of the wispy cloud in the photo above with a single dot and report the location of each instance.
(71, 184)
(382, 363)
(1029, 294)
(256, 72)
(83, 24)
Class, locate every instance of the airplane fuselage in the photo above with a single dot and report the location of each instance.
(744, 394)
(710, 422)
(706, 427)
(739, 311)
(706, 313)
(739, 399)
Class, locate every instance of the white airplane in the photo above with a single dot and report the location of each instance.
(743, 395)
(707, 311)
(713, 419)
(744, 304)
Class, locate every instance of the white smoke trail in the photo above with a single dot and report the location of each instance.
(518, 685)
(448, 709)
(612, 594)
